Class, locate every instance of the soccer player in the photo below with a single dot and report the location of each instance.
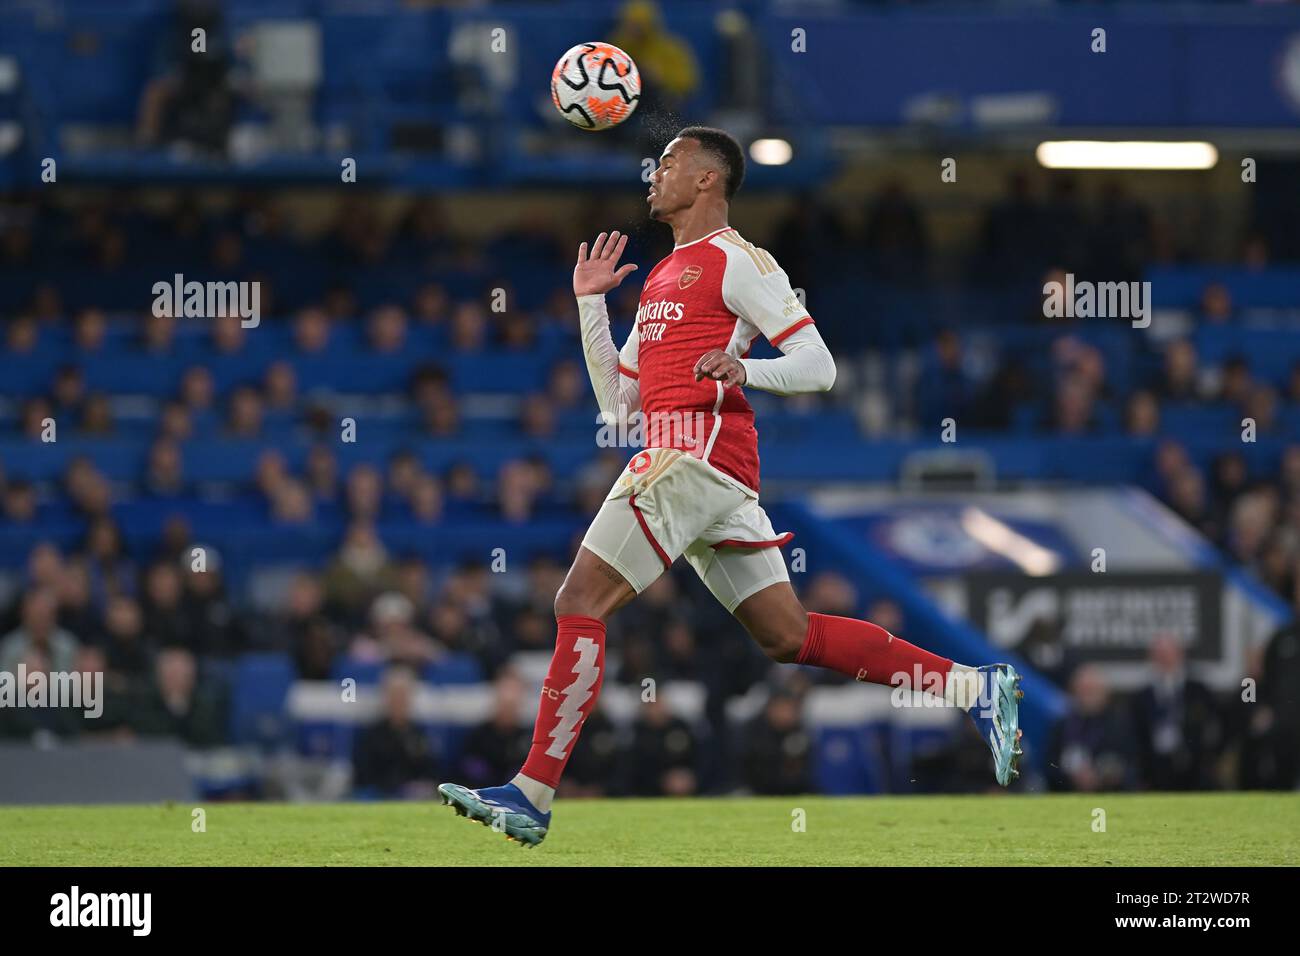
(693, 489)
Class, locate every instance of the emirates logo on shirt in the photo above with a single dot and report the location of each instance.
(652, 319)
(688, 276)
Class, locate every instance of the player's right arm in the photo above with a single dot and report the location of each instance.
(613, 374)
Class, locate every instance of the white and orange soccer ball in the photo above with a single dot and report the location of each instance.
(595, 86)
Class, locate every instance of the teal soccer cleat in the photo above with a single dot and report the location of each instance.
(504, 809)
(997, 718)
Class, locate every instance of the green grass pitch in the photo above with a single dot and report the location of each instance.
(1031, 830)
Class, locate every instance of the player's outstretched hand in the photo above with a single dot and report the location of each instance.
(721, 367)
(595, 274)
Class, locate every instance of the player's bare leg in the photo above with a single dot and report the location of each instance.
(592, 590)
(789, 633)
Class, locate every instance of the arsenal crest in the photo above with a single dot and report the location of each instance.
(689, 275)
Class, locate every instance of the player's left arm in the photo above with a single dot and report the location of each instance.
(758, 291)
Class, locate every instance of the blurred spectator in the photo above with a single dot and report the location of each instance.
(468, 327)
(432, 304)
(567, 385)
(166, 619)
(668, 70)
(943, 389)
(594, 762)
(386, 330)
(1178, 378)
(292, 504)
(244, 418)
(1271, 755)
(1074, 408)
(311, 331)
(413, 584)
(215, 627)
(165, 476)
(1092, 746)
(177, 705)
(128, 650)
(778, 751)
(1011, 237)
(316, 649)
(496, 749)
(393, 636)
(1121, 236)
(37, 415)
(1142, 415)
(808, 225)
(661, 759)
(111, 571)
(404, 473)
(229, 337)
(192, 104)
(78, 612)
(517, 491)
(19, 502)
(1178, 727)
(97, 416)
(280, 388)
(365, 493)
(68, 391)
(176, 423)
(392, 757)
(22, 336)
(39, 633)
(272, 472)
(358, 572)
(1216, 304)
(89, 330)
(198, 390)
(35, 724)
(1235, 382)
(322, 473)
(831, 593)
(427, 503)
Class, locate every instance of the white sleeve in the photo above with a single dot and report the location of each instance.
(613, 374)
(805, 365)
(757, 290)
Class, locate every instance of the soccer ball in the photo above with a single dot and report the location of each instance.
(595, 86)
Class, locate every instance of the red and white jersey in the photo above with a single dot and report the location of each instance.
(718, 292)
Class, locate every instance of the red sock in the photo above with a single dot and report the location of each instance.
(569, 694)
(871, 654)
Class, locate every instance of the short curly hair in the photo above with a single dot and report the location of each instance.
(725, 147)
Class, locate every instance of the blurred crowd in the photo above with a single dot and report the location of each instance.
(1175, 733)
(164, 633)
(161, 632)
(159, 628)
(1251, 514)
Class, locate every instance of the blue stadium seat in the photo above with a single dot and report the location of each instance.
(260, 685)
(849, 760)
(454, 669)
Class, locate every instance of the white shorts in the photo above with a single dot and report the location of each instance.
(668, 503)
